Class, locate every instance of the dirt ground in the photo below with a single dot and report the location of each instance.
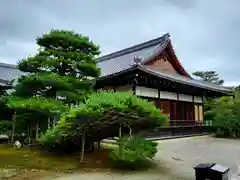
(183, 154)
(176, 159)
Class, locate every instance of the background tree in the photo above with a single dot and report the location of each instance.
(209, 76)
(58, 74)
(226, 116)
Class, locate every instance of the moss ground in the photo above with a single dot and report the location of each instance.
(33, 158)
(33, 162)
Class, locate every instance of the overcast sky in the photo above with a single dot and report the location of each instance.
(205, 33)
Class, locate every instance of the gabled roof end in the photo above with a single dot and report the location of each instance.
(137, 47)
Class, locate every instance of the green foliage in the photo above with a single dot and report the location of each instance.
(5, 126)
(6, 112)
(220, 133)
(225, 115)
(45, 105)
(209, 76)
(56, 76)
(132, 151)
(61, 68)
(103, 110)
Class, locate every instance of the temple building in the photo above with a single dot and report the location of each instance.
(151, 70)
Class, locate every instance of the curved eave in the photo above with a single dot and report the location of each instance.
(156, 53)
(191, 82)
(177, 62)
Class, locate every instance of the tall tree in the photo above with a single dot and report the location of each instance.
(61, 67)
(209, 76)
(58, 74)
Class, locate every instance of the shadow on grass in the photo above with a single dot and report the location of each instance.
(136, 166)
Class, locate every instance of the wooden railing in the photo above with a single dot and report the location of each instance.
(181, 127)
(188, 123)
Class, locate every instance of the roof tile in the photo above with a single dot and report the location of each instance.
(122, 60)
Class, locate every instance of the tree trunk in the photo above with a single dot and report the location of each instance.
(98, 145)
(83, 146)
(29, 134)
(13, 132)
(13, 128)
(98, 142)
(120, 141)
(130, 131)
(37, 126)
(120, 131)
(54, 122)
(49, 120)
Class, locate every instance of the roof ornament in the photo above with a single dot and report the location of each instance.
(137, 60)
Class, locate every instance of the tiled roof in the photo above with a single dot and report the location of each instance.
(121, 60)
(184, 80)
(9, 72)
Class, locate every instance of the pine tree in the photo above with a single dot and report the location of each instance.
(62, 67)
(209, 76)
(58, 75)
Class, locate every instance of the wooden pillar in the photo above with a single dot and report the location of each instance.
(200, 110)
(196, 112)
(134, 83)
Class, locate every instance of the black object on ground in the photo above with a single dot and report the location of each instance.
(211, 172)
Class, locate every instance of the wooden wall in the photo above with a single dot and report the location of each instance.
(177, 110)
(164, 105)
(163, 64)
(176, 106)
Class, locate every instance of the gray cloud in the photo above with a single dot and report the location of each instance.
(204, 33)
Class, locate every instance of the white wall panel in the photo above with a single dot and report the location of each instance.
(197, 99)
(185, 97)
(146, 92)
(168, 95)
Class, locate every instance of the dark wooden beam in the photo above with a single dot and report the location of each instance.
(134, 83)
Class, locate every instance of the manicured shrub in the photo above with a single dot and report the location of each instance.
(133, 152)
(100, 116)
(220, 133)
(5, 126)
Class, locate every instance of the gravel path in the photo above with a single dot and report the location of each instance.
(176, 159)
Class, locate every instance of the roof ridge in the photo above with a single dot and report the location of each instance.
(6, 65)
(134, 48)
